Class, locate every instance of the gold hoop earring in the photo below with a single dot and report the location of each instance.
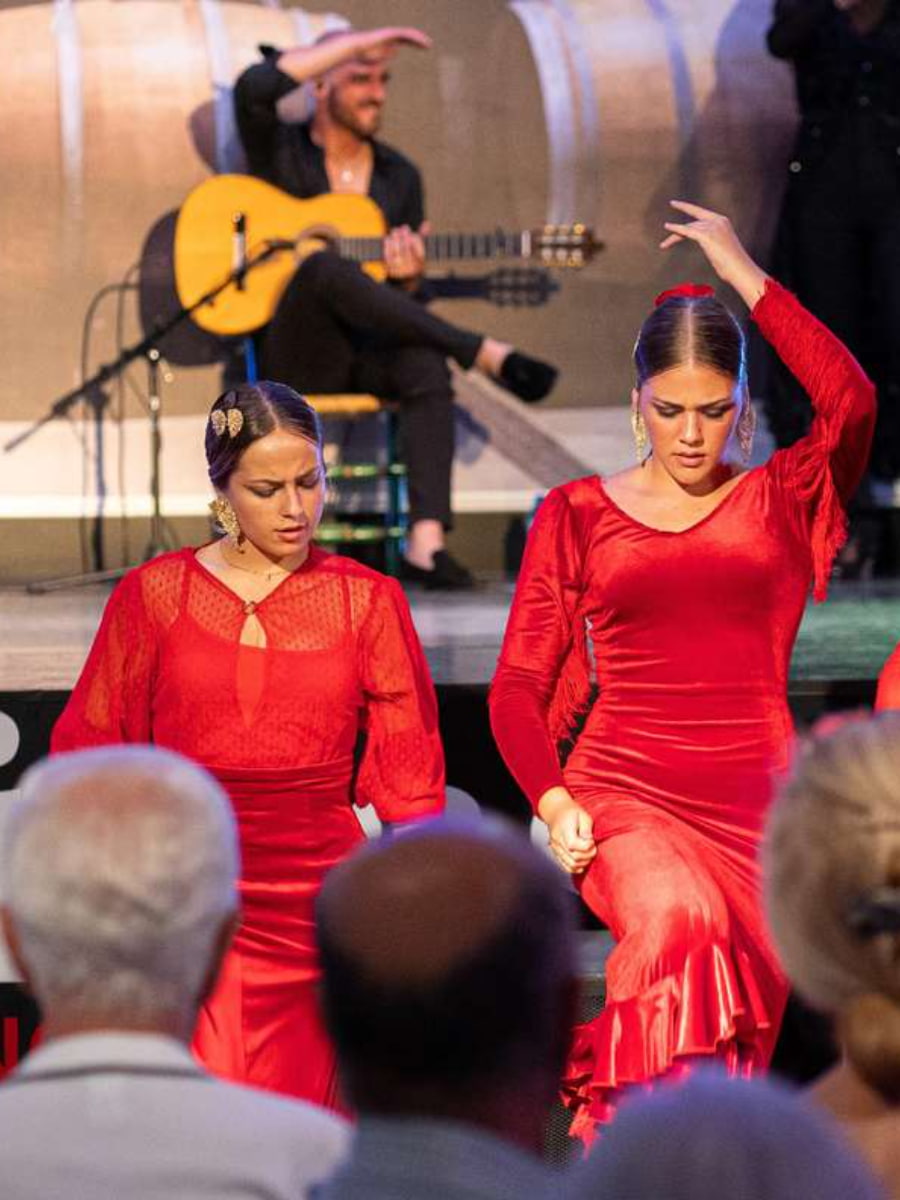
(226, 519)
(746, 427)
(639, 430)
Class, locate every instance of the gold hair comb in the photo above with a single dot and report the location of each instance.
(231, 419)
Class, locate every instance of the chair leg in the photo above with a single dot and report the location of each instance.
(251, 366)
(394, 509)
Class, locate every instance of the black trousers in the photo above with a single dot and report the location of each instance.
(336, 330)
(839, 250)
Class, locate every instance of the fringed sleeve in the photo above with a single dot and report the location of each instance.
(823, 469)
(113, 698)
(542, 682)
(402, 766)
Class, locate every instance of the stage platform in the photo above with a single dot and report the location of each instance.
(843, 643)
(44, 639)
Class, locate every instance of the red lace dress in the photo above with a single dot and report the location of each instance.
(690, 634)
(278, 727)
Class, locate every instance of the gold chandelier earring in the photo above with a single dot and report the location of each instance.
(639, 430)
(226, 519)
(746, 427)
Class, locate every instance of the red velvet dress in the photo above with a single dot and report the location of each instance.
(690, 637)
(888, 694)
(278, 727)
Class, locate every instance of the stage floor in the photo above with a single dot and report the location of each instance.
(44, 638)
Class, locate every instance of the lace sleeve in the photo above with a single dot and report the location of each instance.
(402, 766)
(112, 700)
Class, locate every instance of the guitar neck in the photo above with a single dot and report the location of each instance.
(445, 246)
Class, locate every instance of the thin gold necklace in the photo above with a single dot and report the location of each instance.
(348, 170)
(268, 576)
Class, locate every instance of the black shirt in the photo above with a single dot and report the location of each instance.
(840, 73)
(286, 156)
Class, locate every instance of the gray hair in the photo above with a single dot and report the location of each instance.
(118, 869)
(715, 1137)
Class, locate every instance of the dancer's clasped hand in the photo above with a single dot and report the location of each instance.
(571, 830)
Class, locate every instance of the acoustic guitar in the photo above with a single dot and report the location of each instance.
(231, 222)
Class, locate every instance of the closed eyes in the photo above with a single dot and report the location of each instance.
(715, 412)
(268, 489)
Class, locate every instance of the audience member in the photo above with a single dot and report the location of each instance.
(449, 988)
(119, 870)
(833, 892)
(715, 1138)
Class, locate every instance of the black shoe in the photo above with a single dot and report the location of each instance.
(528, 378)
(447, 575)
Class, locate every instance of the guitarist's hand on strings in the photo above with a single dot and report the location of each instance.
(404, 254)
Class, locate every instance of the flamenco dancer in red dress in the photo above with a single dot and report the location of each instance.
(684, 579)
(267, 661)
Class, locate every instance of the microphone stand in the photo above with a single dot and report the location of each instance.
(92, 392)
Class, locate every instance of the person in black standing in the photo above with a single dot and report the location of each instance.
(336, 329)
(838, 244)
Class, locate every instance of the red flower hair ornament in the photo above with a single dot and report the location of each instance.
(680, 290)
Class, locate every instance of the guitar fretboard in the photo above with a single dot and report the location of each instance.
(445, 245)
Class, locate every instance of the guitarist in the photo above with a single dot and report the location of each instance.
(337, 330)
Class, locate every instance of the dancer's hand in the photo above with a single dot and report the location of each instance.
(404, 253)
(571, 830)
(715, 236)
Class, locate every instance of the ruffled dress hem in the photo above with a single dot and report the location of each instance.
(641, 1039)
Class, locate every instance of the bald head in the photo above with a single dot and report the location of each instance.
(416, 909)
(448, 962)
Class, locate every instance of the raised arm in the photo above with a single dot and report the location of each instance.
(541, 638)
(823, 469)
(259, 89)
(402, 766)
(842, 395)
(112, 700)
(307, 62)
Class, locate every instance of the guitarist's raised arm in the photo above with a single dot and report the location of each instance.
(307, 62)
(261, 87)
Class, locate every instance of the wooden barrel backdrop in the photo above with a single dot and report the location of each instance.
(526, 111)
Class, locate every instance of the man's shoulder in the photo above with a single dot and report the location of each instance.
(281, 1117)
(199, 1113)
(287, 1113)
(394, 159)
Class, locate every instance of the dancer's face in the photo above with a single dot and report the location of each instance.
(690, 412)
(277, 492)
(355, 94)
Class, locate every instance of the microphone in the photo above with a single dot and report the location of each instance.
(239, 248)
